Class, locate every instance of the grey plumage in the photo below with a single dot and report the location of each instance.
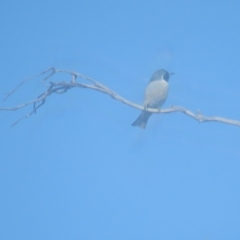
(155, 95)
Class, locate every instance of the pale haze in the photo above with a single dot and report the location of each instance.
(77, 169)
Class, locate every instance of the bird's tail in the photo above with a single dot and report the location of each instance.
(141, 121)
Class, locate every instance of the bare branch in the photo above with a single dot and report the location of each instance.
(199, 117)
(63, 86)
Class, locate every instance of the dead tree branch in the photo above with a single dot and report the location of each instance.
(63, 87)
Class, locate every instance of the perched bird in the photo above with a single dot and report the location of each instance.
(155, 95)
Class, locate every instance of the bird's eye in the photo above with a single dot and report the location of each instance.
(166, 76)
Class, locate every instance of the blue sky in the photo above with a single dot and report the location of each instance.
(78, 169)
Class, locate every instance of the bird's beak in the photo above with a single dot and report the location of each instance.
(171, 73)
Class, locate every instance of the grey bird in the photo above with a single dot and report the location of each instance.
(155, 95)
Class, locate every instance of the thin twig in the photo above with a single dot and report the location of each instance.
(21, 83)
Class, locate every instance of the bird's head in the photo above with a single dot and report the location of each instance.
(161, 74)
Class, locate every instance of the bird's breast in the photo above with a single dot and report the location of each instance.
(156, 93)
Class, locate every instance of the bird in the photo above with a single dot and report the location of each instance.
(155, 95)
